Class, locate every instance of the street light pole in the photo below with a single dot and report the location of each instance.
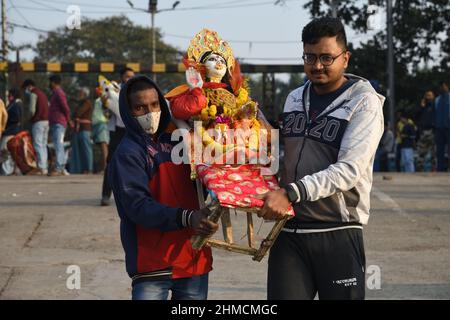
(390, 67)
(152, 8)
(4, 45)
(334, 8)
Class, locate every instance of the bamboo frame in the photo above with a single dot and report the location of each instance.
(226, 227)
(222, 213)
(267, 243)
(232, 247)
(250, 229)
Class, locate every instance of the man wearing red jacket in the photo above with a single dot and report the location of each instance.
(156, 202)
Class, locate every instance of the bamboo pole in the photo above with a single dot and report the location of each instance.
(197, 240)
(268, 242)
(250, 229)
(232, 247)
(226, 226)
(201, 198)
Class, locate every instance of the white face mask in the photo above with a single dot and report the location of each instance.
(150, 121)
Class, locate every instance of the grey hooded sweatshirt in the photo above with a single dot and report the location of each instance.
(329, 161)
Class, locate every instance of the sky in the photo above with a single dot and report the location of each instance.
(259, 31)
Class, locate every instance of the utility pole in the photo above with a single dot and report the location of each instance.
(390, 67)
(334, 8)
(4, 45)
(17, 76)
(152, 8)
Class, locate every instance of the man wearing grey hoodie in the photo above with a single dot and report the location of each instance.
(332, 126)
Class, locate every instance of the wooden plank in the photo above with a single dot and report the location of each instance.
(267, 243)
(197, 240)
(231, 247)
(201, 198)
(226, 226)
(250, 229)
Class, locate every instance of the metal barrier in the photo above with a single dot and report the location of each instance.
(107, 67)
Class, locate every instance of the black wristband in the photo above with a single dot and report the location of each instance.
(184, 218)
(291, 194)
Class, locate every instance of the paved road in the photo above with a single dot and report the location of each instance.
(49, 224)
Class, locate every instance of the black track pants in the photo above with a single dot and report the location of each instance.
(330, 263)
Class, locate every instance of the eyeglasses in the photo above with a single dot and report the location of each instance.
(325, 59)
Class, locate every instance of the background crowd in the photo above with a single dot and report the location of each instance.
(64, 137)
(422, 136)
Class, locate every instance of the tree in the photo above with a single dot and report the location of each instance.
(419, 25)
(282, 90)
(112, 39)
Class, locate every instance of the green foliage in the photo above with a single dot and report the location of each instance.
(283, 88)
(113, 39)
(419, 26)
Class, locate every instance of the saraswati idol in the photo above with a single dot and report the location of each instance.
(217, 96)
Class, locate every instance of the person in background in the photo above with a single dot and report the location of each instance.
(398, 141)
(425, 137)
(3, 117)
(13, 127)
(385, 147)
(442, 125)
(408, 136)
(38, 109)
(100, 132)
(58, 117)
(82, 159)
(116, 132)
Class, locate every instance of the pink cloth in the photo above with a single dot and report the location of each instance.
(238, 187)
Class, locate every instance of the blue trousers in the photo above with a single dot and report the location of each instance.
(408, 160)
(194, 288)
(82, 158)
(39, 130)
(57, 132)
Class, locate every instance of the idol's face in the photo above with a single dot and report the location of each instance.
(216, 67)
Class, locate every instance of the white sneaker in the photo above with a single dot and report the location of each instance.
(65, 173)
